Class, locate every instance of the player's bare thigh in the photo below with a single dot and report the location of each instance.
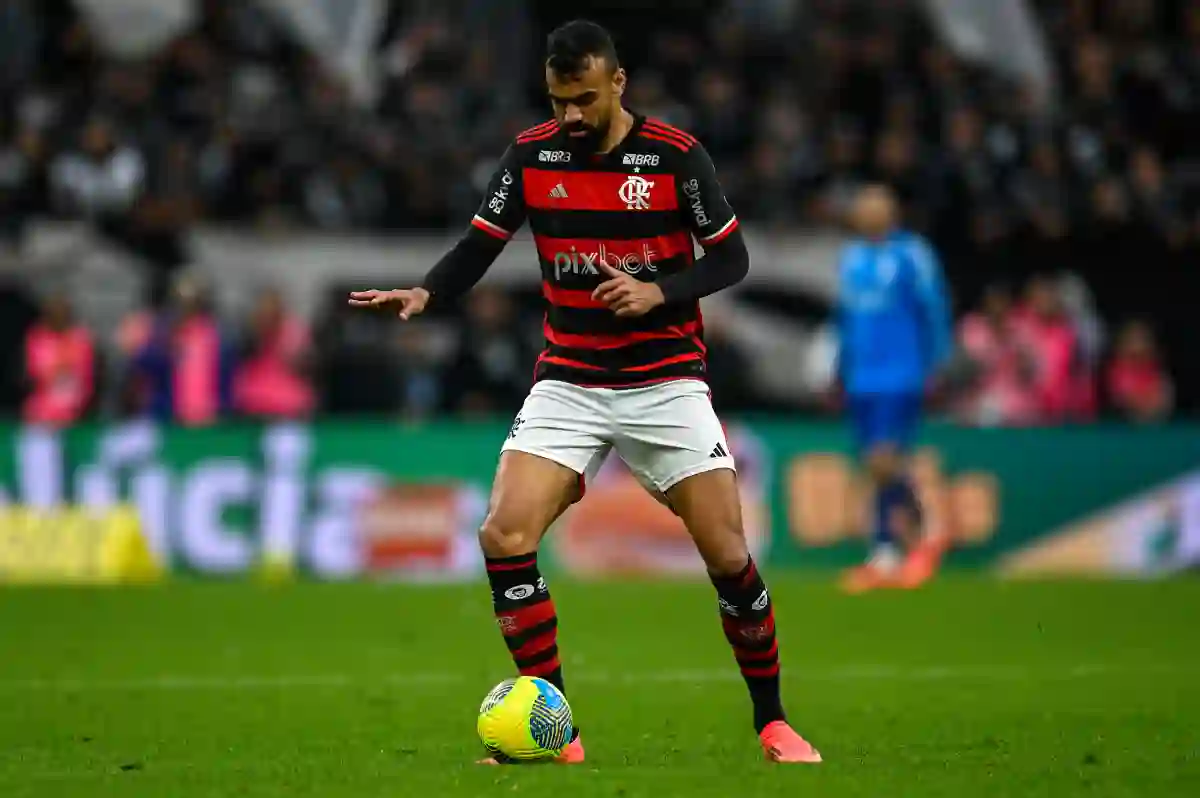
(528, 494)
(710, 506)
(672, 439)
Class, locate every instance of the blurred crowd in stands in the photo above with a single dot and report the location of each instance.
(1026, 360)
(184, 363)
(1021, 360)
(236, 123)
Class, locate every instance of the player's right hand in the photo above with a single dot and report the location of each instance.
(407, 302)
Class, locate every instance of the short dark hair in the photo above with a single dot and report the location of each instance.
(569, 47)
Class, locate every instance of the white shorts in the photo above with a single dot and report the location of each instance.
(665, 433)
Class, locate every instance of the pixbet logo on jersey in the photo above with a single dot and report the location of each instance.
(576, 262)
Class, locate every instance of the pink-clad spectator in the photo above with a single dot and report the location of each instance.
(1002, 389)
(134, 332)
(60, 365)
(1137, 383)
(183, 368)
(1047, 333)
(271, 381)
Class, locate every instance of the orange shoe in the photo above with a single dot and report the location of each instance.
(781, 744)
(571, 755)
(864, 578)
(921, 565)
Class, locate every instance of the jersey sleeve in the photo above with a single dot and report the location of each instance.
(502, 211)
(701, 200)
(841, 312)
(934, 304)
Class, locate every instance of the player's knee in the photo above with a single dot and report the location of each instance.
(884, 463)
(724, 547)
(728, 562)
(710, 507)
(502, 535)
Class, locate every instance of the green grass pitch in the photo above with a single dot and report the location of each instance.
(969, 688)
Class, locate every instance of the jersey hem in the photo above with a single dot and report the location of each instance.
(622, 386)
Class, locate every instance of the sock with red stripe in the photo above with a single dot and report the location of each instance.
(526, 616)
(749, 622)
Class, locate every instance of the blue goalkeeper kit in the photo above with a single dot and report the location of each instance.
(894, 330)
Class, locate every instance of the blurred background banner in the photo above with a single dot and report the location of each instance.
(1003, 34)
(1155, 533)
(343, 34)
(138, 28)
(990, 494)
(345, 500)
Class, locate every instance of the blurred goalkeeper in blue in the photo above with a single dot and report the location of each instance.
(894, 334)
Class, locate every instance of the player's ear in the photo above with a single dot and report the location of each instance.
(619, 81)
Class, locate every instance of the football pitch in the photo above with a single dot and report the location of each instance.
(968, 688)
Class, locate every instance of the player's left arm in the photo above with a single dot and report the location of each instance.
(841, 312)
(933, 303)
(713, 223)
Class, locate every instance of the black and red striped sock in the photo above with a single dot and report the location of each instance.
(749, 622)
(526, 617)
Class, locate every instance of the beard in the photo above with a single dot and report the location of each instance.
(592, 140)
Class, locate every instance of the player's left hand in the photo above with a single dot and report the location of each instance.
(625, 295)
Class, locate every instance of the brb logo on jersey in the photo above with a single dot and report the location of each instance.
(554, 156)
(640, 159)
(635, 193)
(576, 262)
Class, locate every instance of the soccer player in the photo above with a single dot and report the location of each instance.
(614, 201)
(894, 332)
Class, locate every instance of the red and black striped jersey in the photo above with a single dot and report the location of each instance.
(638, 208)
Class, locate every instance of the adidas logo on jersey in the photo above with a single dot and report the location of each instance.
(639, 159)
(719, 451)
(559, 192)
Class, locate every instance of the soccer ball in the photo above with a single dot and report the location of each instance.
(525, 719)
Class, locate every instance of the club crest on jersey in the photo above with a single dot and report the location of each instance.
(639, 159)
(635, 193)
(554, 156)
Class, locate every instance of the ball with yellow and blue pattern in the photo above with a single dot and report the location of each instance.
(525, 719)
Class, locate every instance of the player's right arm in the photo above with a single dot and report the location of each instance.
(841, 310)
(500, 215)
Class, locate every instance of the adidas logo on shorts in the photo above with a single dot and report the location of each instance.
(719, 451)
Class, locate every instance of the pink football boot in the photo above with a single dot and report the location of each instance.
(781, 744)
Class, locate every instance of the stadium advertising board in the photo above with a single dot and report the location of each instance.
(1156, 532)
(992, 492)
(342, 500)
